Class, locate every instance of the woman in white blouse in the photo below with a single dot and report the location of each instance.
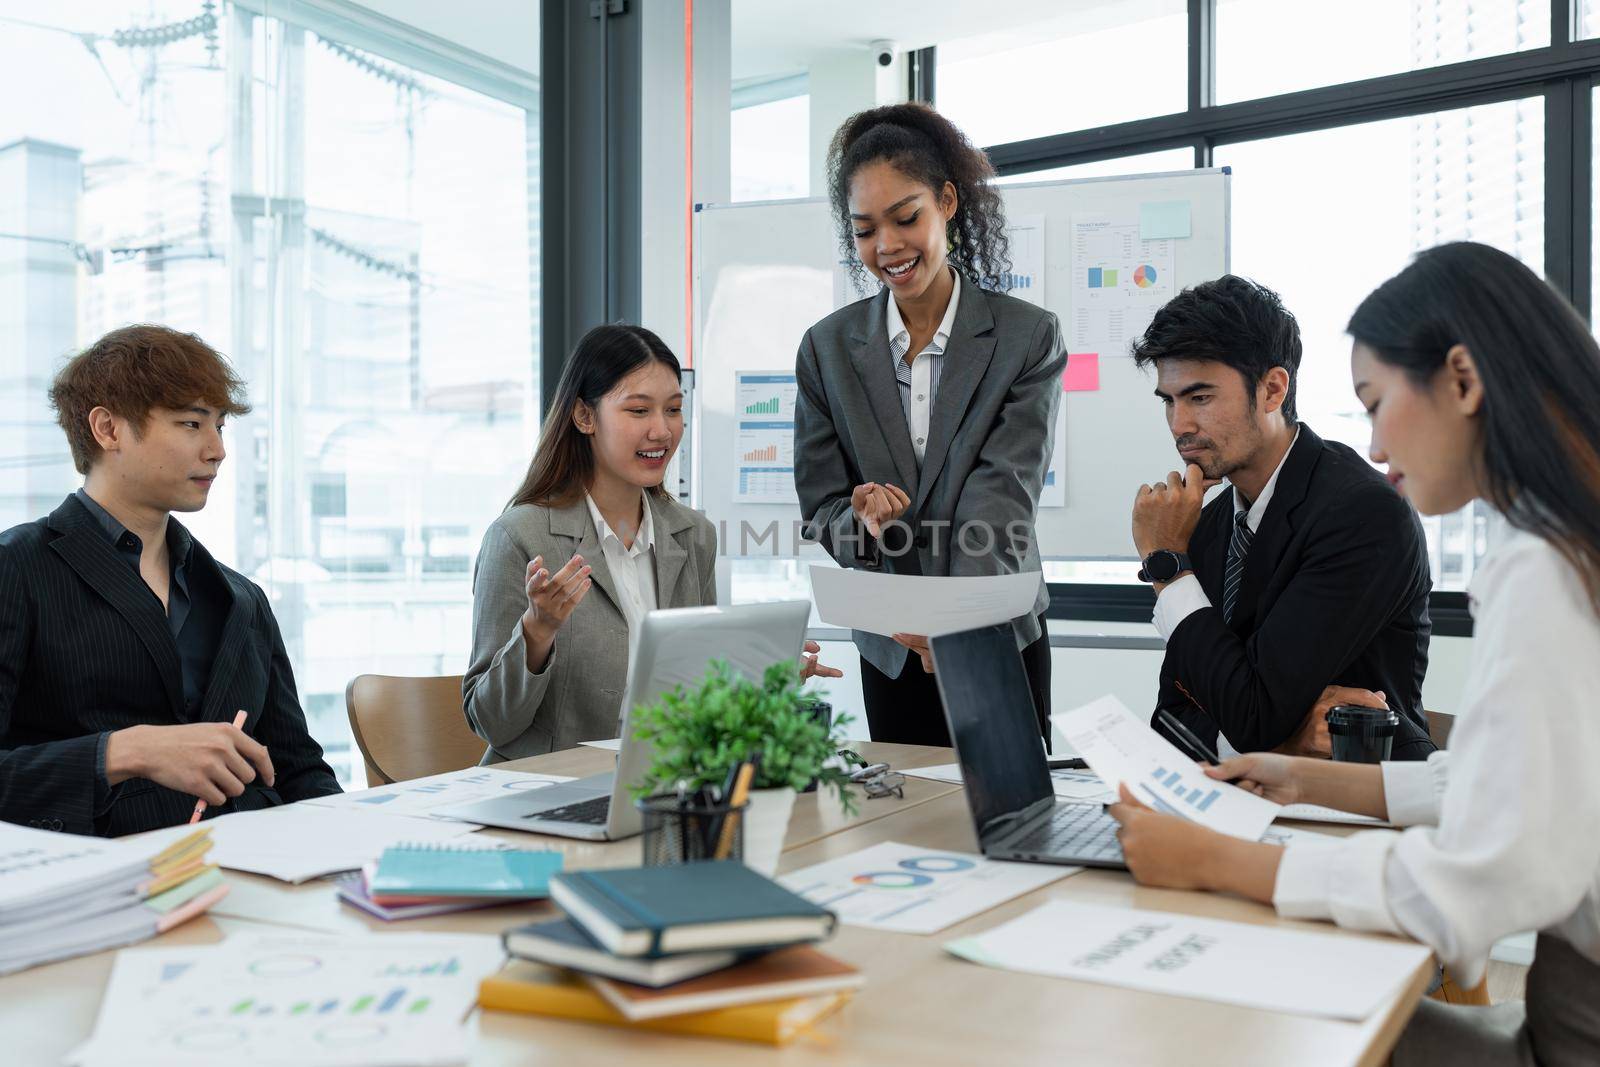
(1481, 383)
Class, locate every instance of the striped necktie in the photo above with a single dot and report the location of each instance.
(1238, 548)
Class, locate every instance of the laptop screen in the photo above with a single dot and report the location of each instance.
(992, 722)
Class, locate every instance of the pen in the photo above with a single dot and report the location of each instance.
(200, 805)
(1186, 738)
(741, 793)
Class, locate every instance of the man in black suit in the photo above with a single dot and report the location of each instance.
(1305, 584)
(126, 649)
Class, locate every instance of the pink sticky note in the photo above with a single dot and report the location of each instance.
(1082, 374)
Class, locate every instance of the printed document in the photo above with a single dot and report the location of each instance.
(1330, 975)
(916, 890)
(1122, 749)
(889, 604)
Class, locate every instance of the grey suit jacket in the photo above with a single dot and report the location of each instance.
(989, 440)
(578, 695)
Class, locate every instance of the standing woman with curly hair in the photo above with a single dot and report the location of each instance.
(922, 428)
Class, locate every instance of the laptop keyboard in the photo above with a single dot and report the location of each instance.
(591, 812)
(1074, 830)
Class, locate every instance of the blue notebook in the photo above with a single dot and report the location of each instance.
(430, 871)
(692, 907)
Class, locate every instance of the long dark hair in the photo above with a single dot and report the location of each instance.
(1540, 369)
(926, 147)
(563, 465)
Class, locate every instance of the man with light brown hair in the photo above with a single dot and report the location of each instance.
(126, 649)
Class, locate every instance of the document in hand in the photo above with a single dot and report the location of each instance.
(1330, 975)
(888, 604)
(1120, 748)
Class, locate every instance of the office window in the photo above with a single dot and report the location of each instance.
(770, 143)
(358, 234)
(1325, 217)
(1145, 163)
(1094, 65)
(1265, 47)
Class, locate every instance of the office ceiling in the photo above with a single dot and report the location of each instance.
(777, 38)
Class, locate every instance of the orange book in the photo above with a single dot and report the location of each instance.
(798, 971)
(535, 989)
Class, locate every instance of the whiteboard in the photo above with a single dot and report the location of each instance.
(765, 272)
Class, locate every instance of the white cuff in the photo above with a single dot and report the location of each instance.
(1177, 602)
(1413, 791)
(1343, 883)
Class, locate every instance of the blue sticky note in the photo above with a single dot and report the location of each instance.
(1168, 218)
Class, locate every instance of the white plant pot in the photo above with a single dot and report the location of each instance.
(766, 821)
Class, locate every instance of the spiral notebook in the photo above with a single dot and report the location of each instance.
(433, 871)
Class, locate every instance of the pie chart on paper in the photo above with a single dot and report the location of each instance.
(1144, 276)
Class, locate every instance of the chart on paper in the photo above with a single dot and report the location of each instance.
(763, 441)
(914, 890)
(1119, 280)
(1121, 749)
(298, 999)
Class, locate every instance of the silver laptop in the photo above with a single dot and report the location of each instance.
(674, 647)
(1015, 811)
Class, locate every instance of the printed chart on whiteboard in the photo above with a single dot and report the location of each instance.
(1118, 282)
(763, 470)
(1025, 280)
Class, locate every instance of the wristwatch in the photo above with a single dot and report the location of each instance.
(1163, 565)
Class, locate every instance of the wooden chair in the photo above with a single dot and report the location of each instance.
(1440, 723)
(410, 727)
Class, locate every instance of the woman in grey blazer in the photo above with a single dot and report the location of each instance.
(924, 418)
(549, 652)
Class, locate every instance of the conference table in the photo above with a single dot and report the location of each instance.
(920, 1004)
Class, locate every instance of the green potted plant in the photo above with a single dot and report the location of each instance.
(698, 735)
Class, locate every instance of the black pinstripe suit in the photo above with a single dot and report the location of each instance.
(85, 649)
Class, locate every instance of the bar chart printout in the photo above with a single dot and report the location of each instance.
(318, 1000)
(1123, 750)
(764, 437)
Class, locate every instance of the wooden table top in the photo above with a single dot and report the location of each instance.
(920, 1004)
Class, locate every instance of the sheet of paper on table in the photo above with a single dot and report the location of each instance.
(1330, 975)
(302, 841)
(304, 999)
(1082, 786)
(916, 890)
(421, 796)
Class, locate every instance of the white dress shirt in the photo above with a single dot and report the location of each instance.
(1184, 597)
(633, 567)
(919, 382)
(1503, 824)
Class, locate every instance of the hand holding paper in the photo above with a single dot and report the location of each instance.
(890, 604)
(1123, 750)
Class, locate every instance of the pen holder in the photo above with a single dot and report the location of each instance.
(689, 833)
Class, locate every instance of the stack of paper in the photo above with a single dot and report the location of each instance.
(308, 1000)
(65, 895)
(302, 841)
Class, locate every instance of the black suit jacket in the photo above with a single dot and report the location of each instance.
(85, 649)
(1334, 592)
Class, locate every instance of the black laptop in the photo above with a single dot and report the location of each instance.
(996, 736)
